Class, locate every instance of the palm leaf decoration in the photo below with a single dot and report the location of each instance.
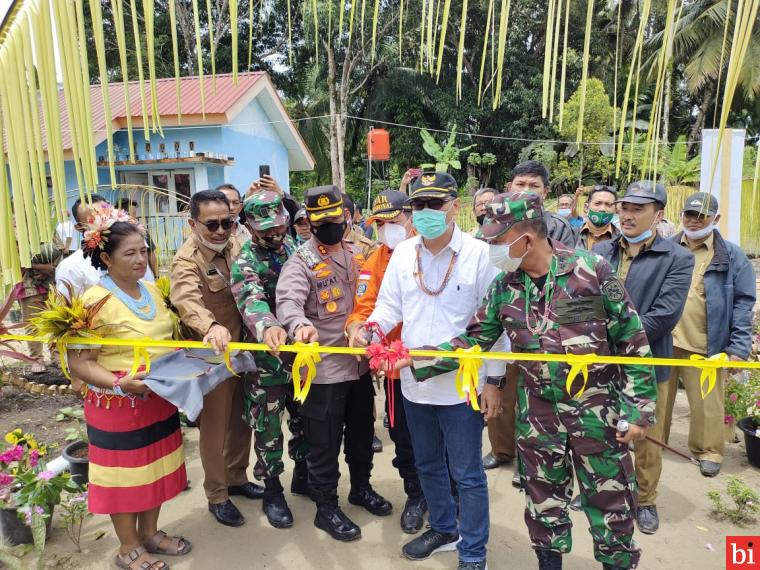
(63, 317)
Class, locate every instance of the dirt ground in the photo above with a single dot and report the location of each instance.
(688, 537)
(35, 413)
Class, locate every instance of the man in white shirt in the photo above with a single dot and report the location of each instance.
(76, 269)
(67, 235)
(434, 283)
(236, 207)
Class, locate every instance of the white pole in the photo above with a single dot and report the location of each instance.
(725, 183)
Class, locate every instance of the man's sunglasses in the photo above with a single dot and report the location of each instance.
(434, 204)
(213, 225)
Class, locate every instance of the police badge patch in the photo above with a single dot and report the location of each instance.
(361, 290)
(613, 289)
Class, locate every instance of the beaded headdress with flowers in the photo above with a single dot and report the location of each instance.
(100, 218)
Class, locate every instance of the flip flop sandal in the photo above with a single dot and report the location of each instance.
(153, 545)
(129, 560)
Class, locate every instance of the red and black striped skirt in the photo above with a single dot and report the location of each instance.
(136, 456)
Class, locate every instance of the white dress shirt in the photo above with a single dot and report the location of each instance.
(67, 230)
(431, 320)
(78, 271)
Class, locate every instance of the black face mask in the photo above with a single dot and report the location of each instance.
(270, 242)
(329, 233)
(480, 219)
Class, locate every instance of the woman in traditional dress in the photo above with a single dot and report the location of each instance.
(135, 452)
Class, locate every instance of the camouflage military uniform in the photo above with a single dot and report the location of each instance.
(254, 280)
(590, 312)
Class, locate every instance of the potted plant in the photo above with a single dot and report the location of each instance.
(750, 425)
(28, 491)
(736, 402)
(76, 451)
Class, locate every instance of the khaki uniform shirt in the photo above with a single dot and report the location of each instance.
(365, 245)
(587, 239)
(200, 288)
(691, 331)
(626, 258)
(316, 287)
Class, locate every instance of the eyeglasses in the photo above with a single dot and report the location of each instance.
(213, 225)
(434, 204)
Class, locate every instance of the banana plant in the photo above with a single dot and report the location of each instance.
(445, 157)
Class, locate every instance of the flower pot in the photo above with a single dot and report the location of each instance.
(79, 464)
(751, 441)
(13, 530)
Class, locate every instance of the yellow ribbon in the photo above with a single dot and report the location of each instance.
(307, 355)
(709, 374)
(467, 376)
(580, 365)
(228, 361)
(140, 354)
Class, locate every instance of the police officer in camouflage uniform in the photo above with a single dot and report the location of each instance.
(556, 300)
(269, 393)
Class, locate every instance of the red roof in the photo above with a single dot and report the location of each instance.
(217, 101)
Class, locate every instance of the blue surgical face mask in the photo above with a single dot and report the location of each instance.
(430, 224)
(564, 212)
(639, 238)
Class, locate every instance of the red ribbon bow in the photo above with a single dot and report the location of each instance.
(383, 356)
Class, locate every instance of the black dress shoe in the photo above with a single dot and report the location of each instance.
(648, 519)
(549, 560)
(277, 511)
(227, 513)
(332, 520)
(248, 490)
(413, 516)
(491, 461)
(708, 468)
(371, 501)
(377, 445)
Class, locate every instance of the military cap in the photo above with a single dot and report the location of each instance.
(505, 210)
(387, 205)
(264, 210)
(323, 202)
(301, 213)
(702, 203)
(433, 185)
(645, 192)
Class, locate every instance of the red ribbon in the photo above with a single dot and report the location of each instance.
(385, 355)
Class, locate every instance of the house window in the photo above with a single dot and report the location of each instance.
(147, 147)
(176, 146)
(191, 145)
(162, 148)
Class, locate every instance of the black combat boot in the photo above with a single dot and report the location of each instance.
(413, 516)
(331, 519)
(549, 560)
(274, 506)
(300, 482)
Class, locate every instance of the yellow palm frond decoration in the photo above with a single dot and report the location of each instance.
(63, 317)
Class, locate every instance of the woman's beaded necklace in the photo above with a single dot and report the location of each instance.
(420, 276)
(144, 307)
(542, 322)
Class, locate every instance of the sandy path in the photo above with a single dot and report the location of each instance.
(678, 545)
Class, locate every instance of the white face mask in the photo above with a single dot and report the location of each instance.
(699, 234)
(500, 258)
(217, 247)
(391, 234)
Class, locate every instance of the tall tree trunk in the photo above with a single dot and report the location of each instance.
(666, 104)
(334, 127)
(695, 133)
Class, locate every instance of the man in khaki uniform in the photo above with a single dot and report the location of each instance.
(354, 233)
(315, 295)
(200, 278)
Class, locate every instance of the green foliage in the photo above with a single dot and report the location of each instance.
(677, 167)
(446, 156)
(597, 117)
(73, 512)
(741, 394)
(79, 430)
(745, 507)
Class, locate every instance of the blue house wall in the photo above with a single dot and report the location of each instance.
(250, 139)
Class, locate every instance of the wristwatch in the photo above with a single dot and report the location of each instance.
(497, 381)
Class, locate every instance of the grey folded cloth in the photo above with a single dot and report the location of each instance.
(183, 377)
